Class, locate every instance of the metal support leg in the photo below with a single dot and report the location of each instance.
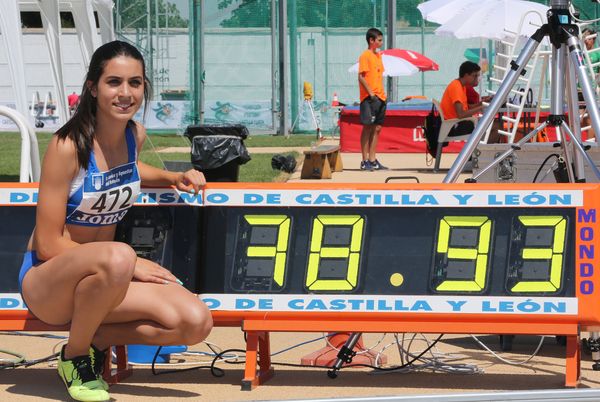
(574, 120)
(514, 147)
(313, 116)
(257, 353)
(579, 145)
(573, 364)
(345, 355)
(314, 119)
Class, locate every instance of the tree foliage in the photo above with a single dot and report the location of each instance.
(321, 13)
(134, 14)
(345, 13)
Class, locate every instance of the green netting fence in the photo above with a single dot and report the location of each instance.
(218, 61)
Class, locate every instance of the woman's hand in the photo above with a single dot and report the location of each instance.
(190, 181)
(148, 271)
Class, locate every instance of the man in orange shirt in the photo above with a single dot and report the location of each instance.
(372, 99)
(454, 102)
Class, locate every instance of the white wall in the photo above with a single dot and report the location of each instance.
(38, 73)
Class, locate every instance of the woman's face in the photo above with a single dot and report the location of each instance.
(120, 89)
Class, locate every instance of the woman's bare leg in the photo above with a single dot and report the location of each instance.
(81, 286)
(156, 314)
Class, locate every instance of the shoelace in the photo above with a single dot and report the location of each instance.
(83, 368)
(99, 358)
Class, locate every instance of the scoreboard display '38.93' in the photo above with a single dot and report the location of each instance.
(453, 253)
(522, 251)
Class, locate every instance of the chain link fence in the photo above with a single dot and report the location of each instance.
(218, 61)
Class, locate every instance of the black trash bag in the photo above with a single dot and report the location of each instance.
(287, 163)
(215, 146)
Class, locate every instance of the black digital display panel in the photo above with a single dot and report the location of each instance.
(388, 251)
(385, 251)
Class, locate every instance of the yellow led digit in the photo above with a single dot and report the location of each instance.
(465, 254)
(346, 252)
(278, 251)
(552, 254)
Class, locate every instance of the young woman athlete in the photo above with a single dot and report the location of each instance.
(74, 272)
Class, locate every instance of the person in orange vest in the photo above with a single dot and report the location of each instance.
(372, 99)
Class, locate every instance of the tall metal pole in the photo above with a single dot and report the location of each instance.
(326, 34)
(283, 68)
(422, 52)
(197, 63)
(150, 58)
(201, 73)
(374, 13)
(391, 43)
(192, 63)
(274, 71)
(293, 60)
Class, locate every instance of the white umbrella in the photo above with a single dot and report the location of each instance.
(440, 11)
(496, 19)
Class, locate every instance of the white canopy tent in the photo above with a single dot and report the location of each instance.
(10, 27)
(85, 26)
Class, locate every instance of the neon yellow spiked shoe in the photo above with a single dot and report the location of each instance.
(98, 357)
(79, 377)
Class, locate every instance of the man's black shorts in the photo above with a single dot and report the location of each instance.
(372, 111)
(462, 128)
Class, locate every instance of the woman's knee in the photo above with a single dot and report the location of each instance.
(117, 261)
(194, 323)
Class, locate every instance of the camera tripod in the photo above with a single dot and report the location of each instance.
(308, 104)
(563, 36)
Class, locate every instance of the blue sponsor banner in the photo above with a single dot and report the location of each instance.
(394, 198)
(148, 196)
(12, 301)
(392, 304)
(337, 198)
(370, 304)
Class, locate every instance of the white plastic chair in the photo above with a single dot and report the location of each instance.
(445, 128)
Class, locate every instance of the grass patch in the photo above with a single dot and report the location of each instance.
(10, 153)
(296, 140)
(257, 170)
(165, 141)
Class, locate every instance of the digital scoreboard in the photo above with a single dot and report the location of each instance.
(442, 258)
(461, 249)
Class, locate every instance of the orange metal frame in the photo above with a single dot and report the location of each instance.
(258, 324)
(25, 321)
